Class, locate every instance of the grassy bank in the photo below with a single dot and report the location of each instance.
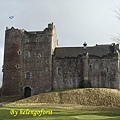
(8, 112)
(73, 104)
(86, 96)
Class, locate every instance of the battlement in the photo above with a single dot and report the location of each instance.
(14, 29)
(46, 30)
(50, 25)
(33, 63)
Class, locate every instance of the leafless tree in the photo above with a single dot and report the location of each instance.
(117, 38)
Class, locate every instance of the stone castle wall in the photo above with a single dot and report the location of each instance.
(32, 52)
(103, 72)
(67, 73)
(38, 63)
(34, 64)
(12, 63)
(81, 71)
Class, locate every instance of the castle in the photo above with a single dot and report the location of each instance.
(34, 64)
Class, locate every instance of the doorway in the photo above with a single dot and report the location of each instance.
(27, 92)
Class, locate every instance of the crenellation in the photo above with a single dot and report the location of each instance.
(33, 64)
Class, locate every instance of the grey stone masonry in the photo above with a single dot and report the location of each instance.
(33, 64)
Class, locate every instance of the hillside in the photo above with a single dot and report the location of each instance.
(86, 96)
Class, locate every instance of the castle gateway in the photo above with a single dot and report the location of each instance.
(34, 64)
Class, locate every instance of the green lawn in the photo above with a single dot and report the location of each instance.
(33, 113)
(9, 99)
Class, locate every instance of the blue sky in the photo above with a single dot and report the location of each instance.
(76, 21)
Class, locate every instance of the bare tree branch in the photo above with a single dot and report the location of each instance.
(117, 38)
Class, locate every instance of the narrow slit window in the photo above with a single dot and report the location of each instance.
(107, 69)
(90, 67)
(47, 61)
(59, 71)
(37, 40)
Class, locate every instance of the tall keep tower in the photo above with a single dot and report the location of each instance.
(27, 68)
(12, 71)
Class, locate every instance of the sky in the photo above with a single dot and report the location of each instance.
(76, 21)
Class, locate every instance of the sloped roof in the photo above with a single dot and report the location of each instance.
(98, 50)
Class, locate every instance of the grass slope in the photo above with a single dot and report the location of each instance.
(86, 96)
(6, 113)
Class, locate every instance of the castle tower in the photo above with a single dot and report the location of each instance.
(12, 68)
(35, 66)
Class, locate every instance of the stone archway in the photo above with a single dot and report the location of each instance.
(27, 91)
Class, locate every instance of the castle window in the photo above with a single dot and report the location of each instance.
(39, 55)
(47, 61)
(27, 54)
(37, 40)
(26, 40)
(19, 52)
(27, 75)
(17, 66)
(46, 69)
(107, 69)
(90, 67)
(59, 71)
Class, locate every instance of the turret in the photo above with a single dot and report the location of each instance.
(85, 58)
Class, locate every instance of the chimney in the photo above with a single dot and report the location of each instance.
(85, 45)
